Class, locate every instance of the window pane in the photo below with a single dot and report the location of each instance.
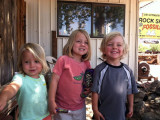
(72, 16)
(107, 18)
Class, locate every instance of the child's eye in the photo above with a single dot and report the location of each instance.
(110, 44)
(26, 62)
(86, 42)
(119, 45)
(78, 41)
(36, 61)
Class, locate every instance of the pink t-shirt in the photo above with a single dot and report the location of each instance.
(69, 87)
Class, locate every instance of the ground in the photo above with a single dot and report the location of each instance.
(89, 112)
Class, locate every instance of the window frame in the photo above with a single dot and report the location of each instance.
(92, 17)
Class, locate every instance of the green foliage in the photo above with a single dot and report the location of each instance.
(143, 48)
(68, 13)
(155, 47)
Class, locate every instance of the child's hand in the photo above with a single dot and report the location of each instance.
(52, 108)
(87, 91)
(130, 113)
(98, 115)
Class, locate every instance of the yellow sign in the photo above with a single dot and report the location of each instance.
(149, 26)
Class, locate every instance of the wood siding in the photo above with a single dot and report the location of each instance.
(12, 36)
(7, 40)
(38, 23)
(21, 24)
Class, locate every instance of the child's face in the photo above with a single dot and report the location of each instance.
(80, 46)
(31, 66)
(114, 48)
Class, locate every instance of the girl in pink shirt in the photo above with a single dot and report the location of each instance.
(66, 84)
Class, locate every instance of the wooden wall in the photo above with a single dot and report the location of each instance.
(38, 23)
(11, 37)
(7, 40)
(21, 24)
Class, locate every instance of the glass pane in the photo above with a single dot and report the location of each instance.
(107, 18)
(72, 16)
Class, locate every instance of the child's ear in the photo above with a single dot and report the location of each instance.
(104, 53)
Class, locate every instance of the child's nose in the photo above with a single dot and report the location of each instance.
(82, 43)
(32, 64)
(114, 46)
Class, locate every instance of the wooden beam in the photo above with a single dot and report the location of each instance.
(146, 0)
(54, 44)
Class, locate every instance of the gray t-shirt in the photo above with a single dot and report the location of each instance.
(113, 84)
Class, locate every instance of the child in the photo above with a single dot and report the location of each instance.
(66, 85)
(29, 84)
(113, 81)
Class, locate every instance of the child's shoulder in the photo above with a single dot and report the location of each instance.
(19, 75)
(63, 57)
(101, 65)
(41, 75)
(87, 64)
(126, 66)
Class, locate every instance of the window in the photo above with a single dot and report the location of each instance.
(107, 18)
(96, 19)
(73, 16)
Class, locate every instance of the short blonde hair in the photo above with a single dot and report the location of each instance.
(67, 50)
(38, 53)
(108, 38)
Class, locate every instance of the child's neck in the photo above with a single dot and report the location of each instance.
(77, 59)
(35, 76)
(114, 62)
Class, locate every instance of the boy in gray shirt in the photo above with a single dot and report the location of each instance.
(113, 81)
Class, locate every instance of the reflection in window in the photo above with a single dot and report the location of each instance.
(96, 19)
(107, 18)
(73, 16)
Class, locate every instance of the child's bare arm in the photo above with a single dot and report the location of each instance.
(95, 101)
(52, 93)
(7, 93)
(96, 112)
(130, 105)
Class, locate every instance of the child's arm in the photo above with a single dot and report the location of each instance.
(96, 112)
(52, 93)
(7, 93)
(130, 105)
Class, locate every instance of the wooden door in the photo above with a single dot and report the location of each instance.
(12, 36)
(7, 40)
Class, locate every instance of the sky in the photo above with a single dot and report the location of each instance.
(152, 7)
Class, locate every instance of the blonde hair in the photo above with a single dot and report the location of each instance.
(67, 50)
(38, 53)
(108, 38)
